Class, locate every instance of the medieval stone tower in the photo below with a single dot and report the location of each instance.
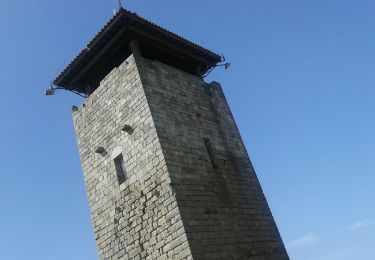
(166, 171)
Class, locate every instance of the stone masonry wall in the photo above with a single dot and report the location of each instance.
(191, 191)
(223, 209)
(138, 219)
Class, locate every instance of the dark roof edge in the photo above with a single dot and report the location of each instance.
(173, 35)
(120, 14)
(82, 53)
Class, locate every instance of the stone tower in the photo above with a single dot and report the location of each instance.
(166, 171)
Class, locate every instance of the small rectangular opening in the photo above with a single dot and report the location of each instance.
(120, 168)
(211, 154)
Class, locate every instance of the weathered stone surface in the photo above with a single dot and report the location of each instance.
(191, 191)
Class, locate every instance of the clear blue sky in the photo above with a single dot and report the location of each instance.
(301, 87)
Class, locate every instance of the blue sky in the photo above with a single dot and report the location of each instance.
(301, 88)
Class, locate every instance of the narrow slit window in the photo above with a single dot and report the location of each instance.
(210, 152)
(120, 169)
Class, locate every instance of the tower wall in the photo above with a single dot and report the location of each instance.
(223, 208)
(129, 220)
(191, 191)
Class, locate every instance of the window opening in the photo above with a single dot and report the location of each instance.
(210, 152)
(120, 168)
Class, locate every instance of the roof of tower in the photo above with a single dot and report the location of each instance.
(110, 47)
